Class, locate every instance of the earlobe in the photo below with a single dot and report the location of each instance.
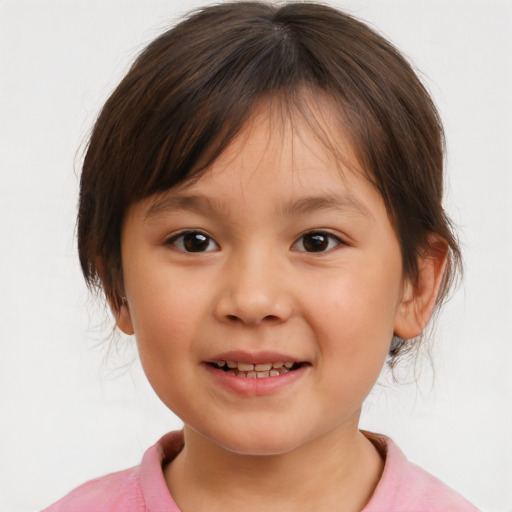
(124, 319)
(419, 298)
(118, 305)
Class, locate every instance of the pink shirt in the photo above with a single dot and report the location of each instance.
(403, 487)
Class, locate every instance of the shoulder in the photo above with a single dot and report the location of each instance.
(405, 487)
(114, 492)
(138, 489)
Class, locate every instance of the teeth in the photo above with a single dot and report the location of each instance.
(262, 367)
(259, 367)
(255, 371)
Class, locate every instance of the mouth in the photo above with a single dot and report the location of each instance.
(257, 370)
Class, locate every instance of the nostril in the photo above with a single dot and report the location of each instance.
(268, 318)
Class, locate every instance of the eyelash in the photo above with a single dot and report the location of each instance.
(324, 234)
(180, 240)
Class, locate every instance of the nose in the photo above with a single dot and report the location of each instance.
(254, 291)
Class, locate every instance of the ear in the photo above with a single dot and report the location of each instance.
(120, 311)
(123, 318)
(419, 298)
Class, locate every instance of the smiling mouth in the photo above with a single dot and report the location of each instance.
(256, 371)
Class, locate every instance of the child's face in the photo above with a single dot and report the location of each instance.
(284, 261)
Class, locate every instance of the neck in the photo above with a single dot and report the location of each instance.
(338, 471)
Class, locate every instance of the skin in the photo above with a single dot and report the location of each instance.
(257, 287)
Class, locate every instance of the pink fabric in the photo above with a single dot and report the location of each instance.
(404, 487)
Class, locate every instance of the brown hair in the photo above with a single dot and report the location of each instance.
(190, 91)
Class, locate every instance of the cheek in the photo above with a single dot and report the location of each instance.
(360, 304)
(165, 312)
(354, 319)
(165, 327)
(354, 343)
(161, 298)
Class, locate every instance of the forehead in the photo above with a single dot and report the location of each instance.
(303, 129)
(299, 135)
(294, 161)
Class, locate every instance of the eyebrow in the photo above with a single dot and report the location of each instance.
(329, 201)
(194, 203)
(205, 205)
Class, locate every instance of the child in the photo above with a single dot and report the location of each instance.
(261, 204)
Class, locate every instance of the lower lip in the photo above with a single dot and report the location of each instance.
(256, 387)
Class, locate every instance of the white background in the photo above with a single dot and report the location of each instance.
(68, 413)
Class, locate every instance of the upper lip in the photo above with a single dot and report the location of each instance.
(262, 356)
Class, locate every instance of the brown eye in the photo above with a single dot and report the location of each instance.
(193, 241)
(317, 242)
